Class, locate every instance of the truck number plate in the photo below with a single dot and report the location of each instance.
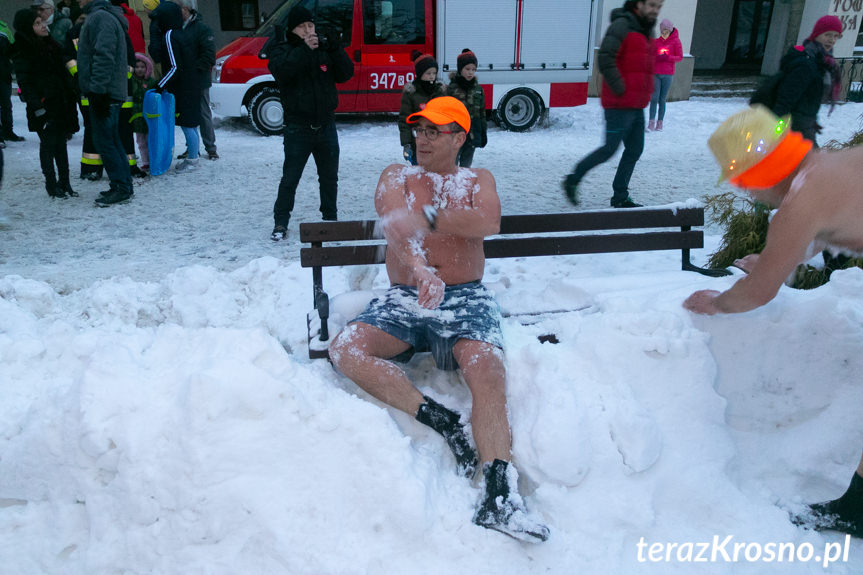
(389, 80)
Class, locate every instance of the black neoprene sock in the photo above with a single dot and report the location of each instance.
(446, 422)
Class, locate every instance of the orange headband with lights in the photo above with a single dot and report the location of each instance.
(776, 166)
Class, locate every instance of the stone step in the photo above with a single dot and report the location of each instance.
(718, 86)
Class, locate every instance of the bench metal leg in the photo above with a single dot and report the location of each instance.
(688, 266)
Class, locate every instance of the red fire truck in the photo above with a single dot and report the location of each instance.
(533, 55)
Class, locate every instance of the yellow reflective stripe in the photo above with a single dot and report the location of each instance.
(154, 115)
(97, 161)
(85, 102)
(133, 161)
(135, 117)
(127, 105)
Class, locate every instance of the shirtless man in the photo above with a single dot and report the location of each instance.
(434, 218)
(820, 201)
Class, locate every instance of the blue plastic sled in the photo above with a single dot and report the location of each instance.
(159, 114)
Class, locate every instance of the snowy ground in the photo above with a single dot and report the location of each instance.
(158, 413)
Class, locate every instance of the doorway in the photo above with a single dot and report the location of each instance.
(749, 25)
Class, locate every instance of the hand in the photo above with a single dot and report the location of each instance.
(40, 119)
(100, 104)
(312, 41)
(408, 153)
(703, 302)
(483, 140)
(429, 286)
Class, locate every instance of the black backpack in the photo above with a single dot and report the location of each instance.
(766, 92)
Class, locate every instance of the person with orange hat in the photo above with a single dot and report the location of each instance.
(435, 217)
(820, 206)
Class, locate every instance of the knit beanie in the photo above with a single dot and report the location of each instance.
(298, 15)
(151, 5)
(422, 63)
(23, 22)
(466, 57)
(826, 24)
(666, 24)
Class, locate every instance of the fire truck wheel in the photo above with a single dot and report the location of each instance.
(519, 110)
(265, 111)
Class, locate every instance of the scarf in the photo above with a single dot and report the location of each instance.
(826, 62)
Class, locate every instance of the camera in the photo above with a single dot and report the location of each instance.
(329, 38)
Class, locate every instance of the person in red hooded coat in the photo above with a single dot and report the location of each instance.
(136, 27)
(668, 53)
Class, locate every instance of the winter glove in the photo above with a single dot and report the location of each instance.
(662, 56)
(100, 104)
(483, 139)
(39, 119)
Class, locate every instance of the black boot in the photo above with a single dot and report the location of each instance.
(446, 422)
(53, 189)
(844, 514)
(570, 188)
(66, 186)
(502, 508)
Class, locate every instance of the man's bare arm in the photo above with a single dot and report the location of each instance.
(481, 218)
(789, 236)
(404, 231)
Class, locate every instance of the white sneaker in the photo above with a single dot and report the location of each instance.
(186, 165)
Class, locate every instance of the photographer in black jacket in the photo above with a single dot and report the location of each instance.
(307, 74)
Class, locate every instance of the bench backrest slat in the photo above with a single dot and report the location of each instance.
(524, 224)
(340, 231)
(594, 244)
(601, 220)
(519, 247)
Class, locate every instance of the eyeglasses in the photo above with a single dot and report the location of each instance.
(430, 133)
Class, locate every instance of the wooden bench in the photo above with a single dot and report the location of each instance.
(361, 242)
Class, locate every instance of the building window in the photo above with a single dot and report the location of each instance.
(394, 21)
(242, 15)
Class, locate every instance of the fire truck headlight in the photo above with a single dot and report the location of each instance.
(217, 68)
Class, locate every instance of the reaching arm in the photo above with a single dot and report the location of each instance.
(790, 234)
(168, 46)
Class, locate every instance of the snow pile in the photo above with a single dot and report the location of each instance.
(159, 413)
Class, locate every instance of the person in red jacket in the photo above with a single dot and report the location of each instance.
(136, 27)
(626, 60)
(668, 53)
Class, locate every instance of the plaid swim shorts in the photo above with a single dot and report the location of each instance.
(468, 311)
